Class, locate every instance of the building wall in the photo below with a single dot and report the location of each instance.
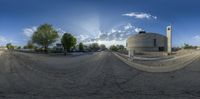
(3, 48)
(147, 42)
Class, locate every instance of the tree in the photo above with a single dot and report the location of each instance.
(81, 47)
(94, 47)
(19, 47)
(68, 41)
(113, 48)
(45, 36)
(10, 46)
(187, 46)
(30, 45)
(103, 47)
(120, 47)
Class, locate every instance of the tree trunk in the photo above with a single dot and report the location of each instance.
(46, 49)
(68, 49)
(65, 52)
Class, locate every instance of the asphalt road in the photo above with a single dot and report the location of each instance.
(93, 76)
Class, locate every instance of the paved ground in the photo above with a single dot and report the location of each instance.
(92, 76)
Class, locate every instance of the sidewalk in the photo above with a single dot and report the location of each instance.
(147, 59)
(167, 65)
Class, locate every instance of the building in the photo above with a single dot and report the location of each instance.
(59, 48)
(3, 48)
(149, 42)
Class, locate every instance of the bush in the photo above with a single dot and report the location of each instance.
(187, 46)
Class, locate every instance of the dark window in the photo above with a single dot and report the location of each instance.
(161, 48)
(154, 42)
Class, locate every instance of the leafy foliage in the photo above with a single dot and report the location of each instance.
(94, 47)
(113, 48)
(103, 47)
(10, 46)
(187, 46)
(29, 45)
(68, 41)
(45, 36)
(81, 47)
(119, 48)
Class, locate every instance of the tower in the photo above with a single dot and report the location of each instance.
(169, 39)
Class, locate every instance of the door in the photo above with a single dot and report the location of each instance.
(161, 48)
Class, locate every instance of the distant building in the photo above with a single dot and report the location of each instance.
(59, 47)
(3, 48)
(149, 42)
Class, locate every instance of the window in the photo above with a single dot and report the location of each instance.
(154, 42)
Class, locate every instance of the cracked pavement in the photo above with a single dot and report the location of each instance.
(98, 75)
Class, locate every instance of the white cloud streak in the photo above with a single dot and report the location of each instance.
(140, 15)
(4, 40)
(117, 35)
(138, 29)
(28, 32)
(197, 37)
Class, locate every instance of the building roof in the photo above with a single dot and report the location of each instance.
(146, 35)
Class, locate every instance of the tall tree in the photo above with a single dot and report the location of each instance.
(30, 45)
(113, 48)
(68, 41)
(45, 36)
(103, 47)
(94, 47)
(10, 46)
(81, 47)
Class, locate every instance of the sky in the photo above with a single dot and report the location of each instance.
(102, 21)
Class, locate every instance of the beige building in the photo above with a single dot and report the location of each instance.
(149, 42)
(3, 48)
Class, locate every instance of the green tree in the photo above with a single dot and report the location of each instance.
(45, 36)
(187, 46)
(120, 47)
(19, 47)
(103, 47)
(81, 47)
(68, 41)
(94, 47)
(113, 48)
(10, 46)
(30, 45)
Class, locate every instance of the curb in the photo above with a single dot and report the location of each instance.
(157, 69)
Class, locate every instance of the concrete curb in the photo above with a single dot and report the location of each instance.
(149, 59)
(157, 69)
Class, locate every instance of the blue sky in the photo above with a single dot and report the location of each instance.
(102, 21)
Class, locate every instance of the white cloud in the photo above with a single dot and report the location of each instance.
(28, 32)
(117, 35)
(4, 41)
(197, 37)
(128, 26)
(113, 30)
(60, 31)
(138, 29)
(140, 15)
(108, 43)
(83, 37)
